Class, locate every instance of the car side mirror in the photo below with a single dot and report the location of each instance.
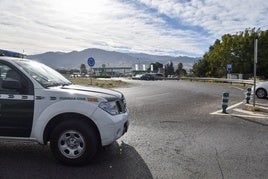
(11, 84)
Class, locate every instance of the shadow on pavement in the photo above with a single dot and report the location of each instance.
(256, 121)
(29, 160)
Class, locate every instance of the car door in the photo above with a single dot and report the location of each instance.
(16, 103)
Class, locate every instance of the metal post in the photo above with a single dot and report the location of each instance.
(225, 99)
(255, 68)
(248, 95)
(90, 76)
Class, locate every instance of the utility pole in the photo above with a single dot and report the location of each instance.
(255, 68)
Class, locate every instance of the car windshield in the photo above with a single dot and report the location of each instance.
(43, 74)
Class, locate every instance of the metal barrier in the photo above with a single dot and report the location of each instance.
(220, 80)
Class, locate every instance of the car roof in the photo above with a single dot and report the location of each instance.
(14, 61)
(10, 59)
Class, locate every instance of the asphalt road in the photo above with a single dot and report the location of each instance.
(171, 135)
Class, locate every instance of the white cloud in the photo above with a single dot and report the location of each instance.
(217, 17)
(65, 25)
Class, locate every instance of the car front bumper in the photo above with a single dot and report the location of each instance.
(111, 127)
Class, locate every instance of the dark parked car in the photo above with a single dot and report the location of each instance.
(158, 76)
(152, 76)
(147, 76)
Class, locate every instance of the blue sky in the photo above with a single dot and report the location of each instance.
(158, 27)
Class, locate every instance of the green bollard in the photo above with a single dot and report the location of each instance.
(225, 99)
(248, 95)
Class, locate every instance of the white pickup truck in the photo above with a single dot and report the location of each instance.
(39, 104)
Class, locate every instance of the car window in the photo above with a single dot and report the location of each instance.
(8, 73)
(43, 74)
(3, 70)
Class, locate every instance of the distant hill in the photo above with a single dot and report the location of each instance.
(73, 60)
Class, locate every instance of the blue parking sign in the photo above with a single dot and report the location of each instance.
(229, 68)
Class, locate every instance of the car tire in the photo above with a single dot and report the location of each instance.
(261, 93)
(73, 143)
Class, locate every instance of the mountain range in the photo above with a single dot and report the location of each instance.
(74, 59)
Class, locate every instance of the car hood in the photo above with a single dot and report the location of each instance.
(108, 94)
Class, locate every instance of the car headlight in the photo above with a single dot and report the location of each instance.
(110, 107)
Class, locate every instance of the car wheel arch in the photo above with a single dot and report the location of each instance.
(60, 118)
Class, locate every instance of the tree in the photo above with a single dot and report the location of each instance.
(238, 50)
(169, 69)
(156, 67)
(83, 69)
(180, 71)
(262, 64)
(201, 68)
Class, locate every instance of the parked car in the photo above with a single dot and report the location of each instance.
(152, 76)
(39, 104)
(147, 76)
(158, 76)
(136, 77)
(261, 89)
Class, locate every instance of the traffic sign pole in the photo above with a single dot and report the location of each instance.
(90, 76)
(229, 68)
(91, 63)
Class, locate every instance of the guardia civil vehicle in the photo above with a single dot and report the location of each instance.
(39, 104)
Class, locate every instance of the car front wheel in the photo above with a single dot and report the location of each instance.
(73, 143)
(261, 93)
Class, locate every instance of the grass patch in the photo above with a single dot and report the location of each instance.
(253, 109)
(107, 83)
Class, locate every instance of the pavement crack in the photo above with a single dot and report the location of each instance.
(169, 121)
(217, 158)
